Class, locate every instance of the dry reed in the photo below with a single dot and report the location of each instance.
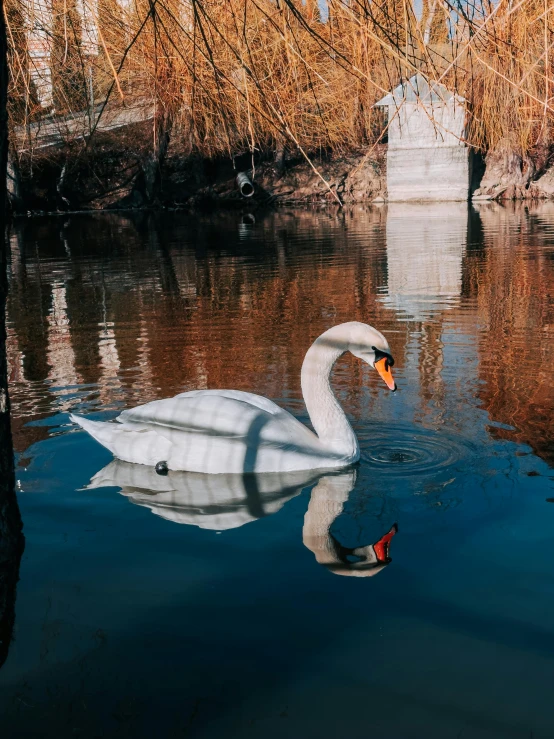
(228, 76)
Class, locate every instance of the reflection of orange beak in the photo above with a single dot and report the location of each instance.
(383, 368)
(381, 547)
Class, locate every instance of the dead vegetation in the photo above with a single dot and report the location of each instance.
(269, 77)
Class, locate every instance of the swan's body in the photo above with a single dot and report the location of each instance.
(228, 431)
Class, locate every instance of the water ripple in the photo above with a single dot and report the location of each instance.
(402, 450)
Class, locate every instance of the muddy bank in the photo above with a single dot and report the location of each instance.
(109, 174)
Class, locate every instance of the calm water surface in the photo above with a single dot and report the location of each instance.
(179, 606)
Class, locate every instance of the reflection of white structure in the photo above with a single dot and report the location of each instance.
(425, 246)
(109, 362)
(15, 358)
(427, 158)
(60, 354)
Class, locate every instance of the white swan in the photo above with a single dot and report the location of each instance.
(228, 431)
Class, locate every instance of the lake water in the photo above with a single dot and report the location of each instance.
(172, 607)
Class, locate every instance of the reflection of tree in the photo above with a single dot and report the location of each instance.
(512, 282)
(11, 538)
(34, 299)
(184, 308)
(153, 309)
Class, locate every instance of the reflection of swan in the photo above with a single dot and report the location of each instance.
(219, 503)
(326, 504)
(227, 431)
(229, 501)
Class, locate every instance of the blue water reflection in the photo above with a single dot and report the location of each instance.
(179, 606)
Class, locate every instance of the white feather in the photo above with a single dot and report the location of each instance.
(228, 431)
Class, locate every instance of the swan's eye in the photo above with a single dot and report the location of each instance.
(389, 361)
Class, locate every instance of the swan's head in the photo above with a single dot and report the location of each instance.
(371, 347)
(362, 561)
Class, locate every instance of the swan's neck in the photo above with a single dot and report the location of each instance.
(327, 416)
(326, 503)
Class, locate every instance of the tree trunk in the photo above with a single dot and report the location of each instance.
(280, 156)
(508, 174)
(13, 183)
(147, 187)
(152, 165)
(11, 537)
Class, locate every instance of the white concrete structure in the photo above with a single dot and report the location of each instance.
(39, 25)
(52, 131)
(39, 40)
(427, 158)
(88, 12)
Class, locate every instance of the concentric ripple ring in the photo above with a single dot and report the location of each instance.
(403, 450)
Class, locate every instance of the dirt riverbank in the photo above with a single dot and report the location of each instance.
(109, 174)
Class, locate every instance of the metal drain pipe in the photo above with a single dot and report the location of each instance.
(245, 185)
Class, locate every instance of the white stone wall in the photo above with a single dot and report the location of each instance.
(88, 11)
(427, 158)
(38, 23)
(430, 125)
(428, 173)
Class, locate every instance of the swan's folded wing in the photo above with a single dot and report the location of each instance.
(257, 401)
(222, 413)
(136, 442)
(225, 431)
(214, 413)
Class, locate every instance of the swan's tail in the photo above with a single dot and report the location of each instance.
(101, 431)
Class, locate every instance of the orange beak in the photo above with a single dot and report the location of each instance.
(382, 546)
(383, 368)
